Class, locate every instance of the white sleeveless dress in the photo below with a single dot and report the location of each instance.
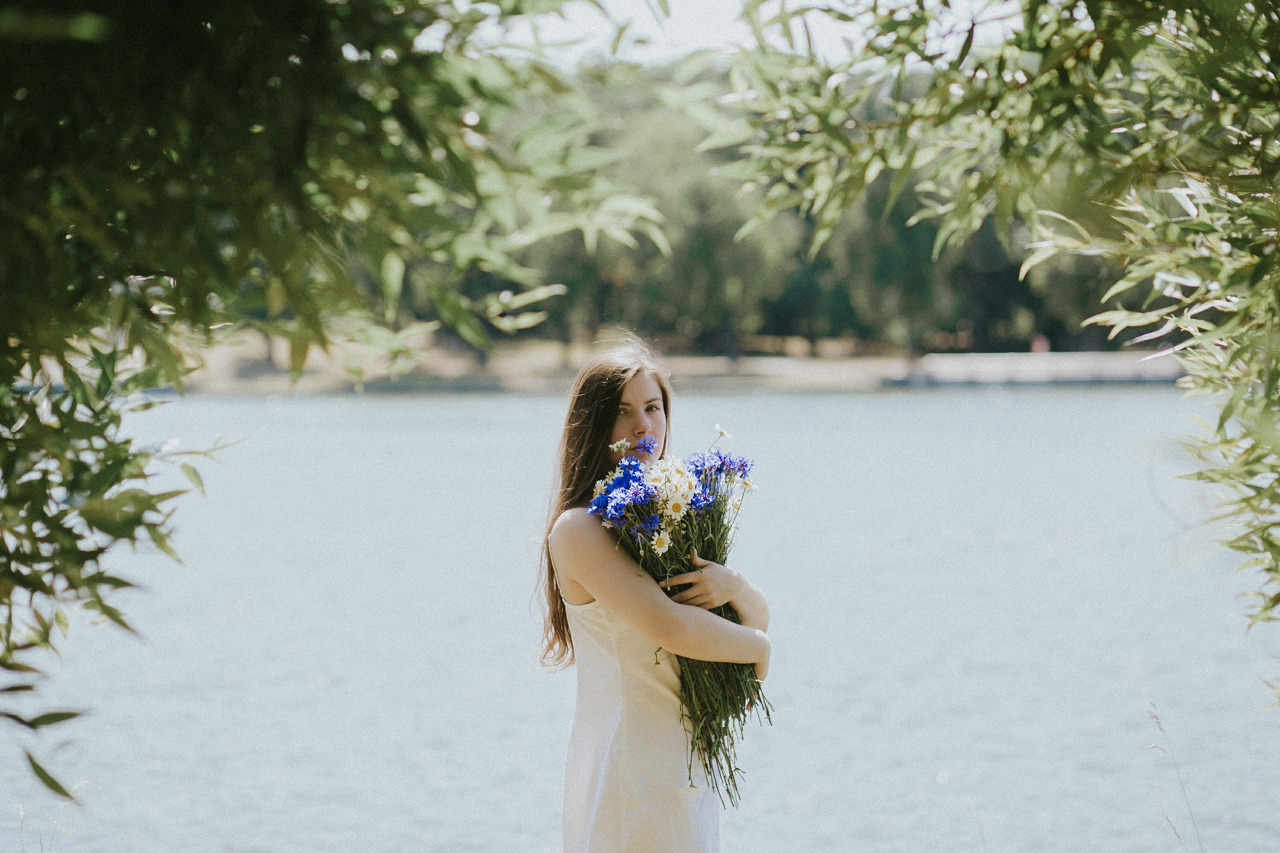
(627, 779)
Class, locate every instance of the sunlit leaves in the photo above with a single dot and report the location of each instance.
(311, 169)
(1141, 133)
(72, 489)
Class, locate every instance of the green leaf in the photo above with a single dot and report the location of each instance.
(1039, 255)
(103, 579)
(22, 721)
(161, 541)
(193, 476)
(299, 349)
(964, 48)
(79, 391)
(728, 135)
(392, 284)
(53, 718)
(53, 26)
(111, 613)
(616, 44)
(532, 296)
(49, 781)
(899, 181)
(16, 666)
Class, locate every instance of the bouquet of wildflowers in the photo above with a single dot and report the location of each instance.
(663, 510)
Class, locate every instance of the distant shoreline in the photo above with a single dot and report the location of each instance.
(547, 367)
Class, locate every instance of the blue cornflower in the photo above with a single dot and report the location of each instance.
(626, 496)
(630, 470)
(740, 465)
(646, 445)
(698, 464)
(721, 463)
(619, 502)
(701, 500)
(642, 492)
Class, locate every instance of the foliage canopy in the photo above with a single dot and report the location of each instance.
(1143, 133)
(172, 171)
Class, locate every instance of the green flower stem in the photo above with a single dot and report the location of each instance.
(716, 697)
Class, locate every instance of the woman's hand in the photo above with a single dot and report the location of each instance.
(710, 586)
(713, 585)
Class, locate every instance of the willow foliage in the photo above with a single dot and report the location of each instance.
(171, 171)
(1143, 133)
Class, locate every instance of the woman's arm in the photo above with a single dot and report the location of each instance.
(583, 551)
(713, 585)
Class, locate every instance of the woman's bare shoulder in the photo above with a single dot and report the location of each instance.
(576, 526)
(580, 547)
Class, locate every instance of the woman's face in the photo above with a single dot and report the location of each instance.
(640, 415)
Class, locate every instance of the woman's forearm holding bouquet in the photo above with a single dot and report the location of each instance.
(587, 555)
(712, 585)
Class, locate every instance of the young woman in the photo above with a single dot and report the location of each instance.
(629, 785)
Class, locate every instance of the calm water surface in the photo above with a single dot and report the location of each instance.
(979, 598)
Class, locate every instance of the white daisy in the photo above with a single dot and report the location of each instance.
(661, 542)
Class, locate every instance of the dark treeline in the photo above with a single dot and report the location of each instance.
(874, 284)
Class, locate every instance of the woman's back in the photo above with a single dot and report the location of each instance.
(628, 781)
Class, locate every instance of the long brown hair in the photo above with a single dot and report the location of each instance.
(584, 458)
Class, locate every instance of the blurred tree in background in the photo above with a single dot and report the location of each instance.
(1133, 143)
(171, 171)
(700, 289)
(723, 286)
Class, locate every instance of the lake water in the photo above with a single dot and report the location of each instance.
(979, 597)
